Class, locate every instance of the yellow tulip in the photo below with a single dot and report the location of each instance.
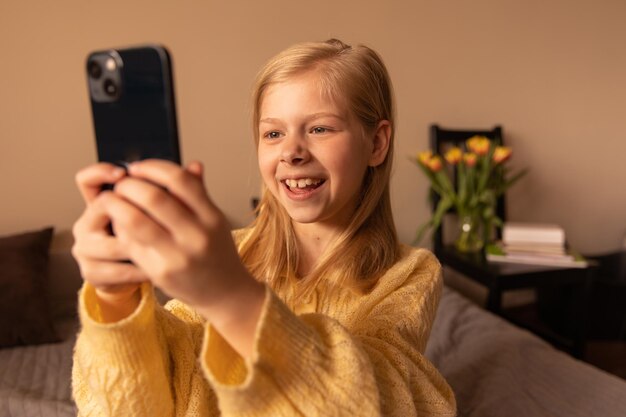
(501, 154)
(454, 155)
(479, 145)
(469, 159)
(424, 157)
(435, 163)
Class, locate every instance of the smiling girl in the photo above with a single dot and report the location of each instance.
(314, 310)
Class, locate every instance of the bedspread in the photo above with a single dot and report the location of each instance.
(35, 381)
(498, 369)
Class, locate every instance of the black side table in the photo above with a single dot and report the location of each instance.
(501, 277)
(607, 305)
(608, 298)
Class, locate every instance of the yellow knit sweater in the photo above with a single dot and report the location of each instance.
(342, 354)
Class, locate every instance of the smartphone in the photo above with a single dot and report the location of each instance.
(132, 102)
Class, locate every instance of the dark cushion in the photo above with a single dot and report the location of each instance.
(24, 312)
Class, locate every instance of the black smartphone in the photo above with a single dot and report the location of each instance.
(132, 101)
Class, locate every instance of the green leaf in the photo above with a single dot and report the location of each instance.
(516, 178)
(435, 180)
(444, 181)
(461, 184)
(421, 231)
(494, 249)
(442, 207)
(485, 169)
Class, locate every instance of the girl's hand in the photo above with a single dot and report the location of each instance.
(98, 253)
(168, 226)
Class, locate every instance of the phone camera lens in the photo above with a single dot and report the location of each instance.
(94, 69)
(110, 88)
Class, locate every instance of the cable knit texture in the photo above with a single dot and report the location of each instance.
(340, 354)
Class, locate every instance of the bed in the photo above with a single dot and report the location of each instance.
(35, 380)
(495, 368)
(498, 369)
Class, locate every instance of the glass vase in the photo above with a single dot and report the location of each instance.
(471, 236)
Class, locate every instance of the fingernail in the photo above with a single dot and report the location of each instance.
(133, 166)
(119, 172)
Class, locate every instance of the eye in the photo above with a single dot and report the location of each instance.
(274, 134)
(318, 130)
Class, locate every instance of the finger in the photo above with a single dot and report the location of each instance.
(131, 224)
(99, 246)
(179, 182)
(103, 274)
(196, 168)
(91, 235)
(91, 179)
(162, 206)
(94, 218)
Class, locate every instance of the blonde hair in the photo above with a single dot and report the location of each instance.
(356, 77)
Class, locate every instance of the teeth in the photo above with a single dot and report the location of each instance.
(302, 183)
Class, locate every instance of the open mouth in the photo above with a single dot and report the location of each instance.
(303, 185)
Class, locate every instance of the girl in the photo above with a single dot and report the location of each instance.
(314, 310)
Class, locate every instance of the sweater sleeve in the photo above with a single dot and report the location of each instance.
(119, 368)
(143, 365)
(311, 365)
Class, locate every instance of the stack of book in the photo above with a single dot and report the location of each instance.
(538, 244)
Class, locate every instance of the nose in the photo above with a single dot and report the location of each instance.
(294, 150)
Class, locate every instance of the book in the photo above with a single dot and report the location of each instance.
(499, 253)
(536, 248)
(537, 233)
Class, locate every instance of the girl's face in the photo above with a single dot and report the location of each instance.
(312, 153)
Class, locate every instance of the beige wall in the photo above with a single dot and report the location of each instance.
(551, 72)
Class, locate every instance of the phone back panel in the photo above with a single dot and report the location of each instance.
(134, 112)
